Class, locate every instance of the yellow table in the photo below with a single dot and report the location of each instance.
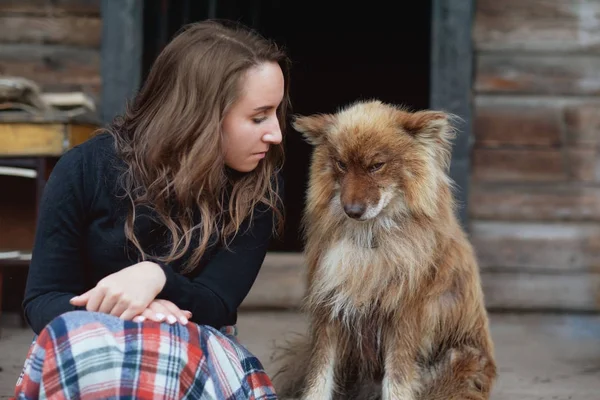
(21, 139)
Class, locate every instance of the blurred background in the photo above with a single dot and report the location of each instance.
(524, 75)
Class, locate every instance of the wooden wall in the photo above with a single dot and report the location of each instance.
(535, 191)
(54, 42)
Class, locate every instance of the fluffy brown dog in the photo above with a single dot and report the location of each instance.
(394, 295)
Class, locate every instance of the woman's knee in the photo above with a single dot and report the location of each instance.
(74, 320)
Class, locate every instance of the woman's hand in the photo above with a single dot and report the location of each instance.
(126, 293)
(160, 310)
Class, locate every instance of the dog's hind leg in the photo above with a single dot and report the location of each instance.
(463, 374)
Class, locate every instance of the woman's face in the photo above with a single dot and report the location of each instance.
(251, 126)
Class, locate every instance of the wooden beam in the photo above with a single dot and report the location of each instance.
(121, 54)
(50, 7)
(512, 291)
(571, 283)
(67, 30)
(451, 82)
(537, 26)
(281, 283)
(53, 67)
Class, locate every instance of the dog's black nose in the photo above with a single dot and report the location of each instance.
(354, 210)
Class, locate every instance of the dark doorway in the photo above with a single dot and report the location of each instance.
(339, 55)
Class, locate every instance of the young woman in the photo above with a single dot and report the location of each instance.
(151, 233)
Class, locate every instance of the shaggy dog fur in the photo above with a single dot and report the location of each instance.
(394, 295)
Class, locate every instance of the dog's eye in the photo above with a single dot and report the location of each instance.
(376, 167)
(340, 165)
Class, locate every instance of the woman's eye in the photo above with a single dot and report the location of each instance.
(258, 120)
(376, 167)
(340, 165)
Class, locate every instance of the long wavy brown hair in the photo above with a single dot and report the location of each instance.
(170, 139)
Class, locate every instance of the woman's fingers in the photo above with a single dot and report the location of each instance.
(81, 300)
(132, 308)
(148, 314)
(95, 299)
(163, 311)
(160, 313)
(175, 313)
(124, 309)
(108, 303)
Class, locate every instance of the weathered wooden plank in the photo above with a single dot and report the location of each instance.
(67, 30)
(582, 122)
(50, 7)
(541, 292)
(537, 246)
(281, 282)
(537, 74)
(551, 202)
(513, 122)
(53, 67)
(538, 121)
(535, 165)
(537, 25)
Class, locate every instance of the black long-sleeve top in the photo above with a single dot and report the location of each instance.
(80, 239)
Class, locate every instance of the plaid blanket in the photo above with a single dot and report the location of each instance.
(85, 355)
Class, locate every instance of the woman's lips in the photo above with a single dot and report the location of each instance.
(261, 154)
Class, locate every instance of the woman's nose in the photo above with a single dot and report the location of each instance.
(273, 136)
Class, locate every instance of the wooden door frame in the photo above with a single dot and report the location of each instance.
(451, 83)
(120, 54)
(450, 71)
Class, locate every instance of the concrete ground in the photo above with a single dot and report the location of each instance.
(553, 357)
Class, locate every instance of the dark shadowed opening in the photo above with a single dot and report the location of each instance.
(374, 49)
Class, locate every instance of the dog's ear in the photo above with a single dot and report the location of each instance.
(313, 127)
(425, 124)
(433, 129)
(434, 132)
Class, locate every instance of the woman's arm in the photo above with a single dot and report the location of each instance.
(217, 292)
(56, 269)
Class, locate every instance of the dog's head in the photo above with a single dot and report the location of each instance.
(375, 156)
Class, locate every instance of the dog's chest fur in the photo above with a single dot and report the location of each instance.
(355, 278)
(352, 288)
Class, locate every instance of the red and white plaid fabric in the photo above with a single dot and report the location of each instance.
(85, 355)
